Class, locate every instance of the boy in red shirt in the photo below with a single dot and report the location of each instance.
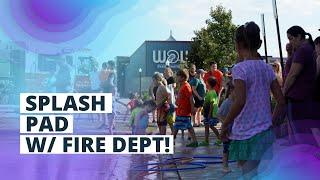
(185, 108)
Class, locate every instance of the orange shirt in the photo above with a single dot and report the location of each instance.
(183, 100)
(219, 77)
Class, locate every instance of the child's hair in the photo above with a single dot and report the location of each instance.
(139, 103)
(213, 63)
(157, 77)
(183, 73)
(248, 36)
(132, 95)
(212, 82)
(295, 31)
(150, 103)
(169, 71)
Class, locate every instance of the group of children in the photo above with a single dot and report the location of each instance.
(181, 112)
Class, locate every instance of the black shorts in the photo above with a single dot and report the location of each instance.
(198, 103)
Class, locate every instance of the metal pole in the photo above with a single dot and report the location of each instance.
(140, 84)
(275, 9)
(264, 37)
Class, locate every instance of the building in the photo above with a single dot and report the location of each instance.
(12, 65)
(121, 63)
(150, 57)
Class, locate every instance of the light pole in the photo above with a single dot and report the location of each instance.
(275, 11)
(140, 75)
(264, 37)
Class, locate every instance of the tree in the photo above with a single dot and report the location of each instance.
(215, 42)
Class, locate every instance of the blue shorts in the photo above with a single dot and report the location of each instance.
(211, 122)
(182, 123)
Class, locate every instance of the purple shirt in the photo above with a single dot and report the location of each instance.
(303, 87)
(255, 116)
(287, 67)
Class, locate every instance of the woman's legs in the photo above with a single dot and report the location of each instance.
(162, 129)
(198, 116)
(154, 116)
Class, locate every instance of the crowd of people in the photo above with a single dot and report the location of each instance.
(239, 99)
(249, 101)
(101, 81)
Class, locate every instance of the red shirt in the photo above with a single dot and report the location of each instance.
(218, 75)
(183, 100)
(132, 104)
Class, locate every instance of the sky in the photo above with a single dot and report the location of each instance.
(153, 20)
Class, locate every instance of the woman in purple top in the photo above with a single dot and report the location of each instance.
(250, 112)
(299, 86)
(290, 52)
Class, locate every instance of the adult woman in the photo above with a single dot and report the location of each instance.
(251, 112)
(199, 91)
(299, 84)
(162, 101)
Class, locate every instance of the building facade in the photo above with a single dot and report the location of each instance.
(150, 57)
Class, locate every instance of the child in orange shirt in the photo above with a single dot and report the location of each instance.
(185, 108)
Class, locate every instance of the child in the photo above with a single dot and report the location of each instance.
(142, 118)
(210, 112)
(185, 107)
(134, 113)
(222, 114)
(133, 102)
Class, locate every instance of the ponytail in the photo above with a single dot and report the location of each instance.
(310, 40)
(297, 30)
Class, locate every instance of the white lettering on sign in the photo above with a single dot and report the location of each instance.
(172, 56)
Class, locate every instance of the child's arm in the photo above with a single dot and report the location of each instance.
(237, 106)
(131, 119)
(195, 92)
(192, 104)
(280, 101)
(221, 118)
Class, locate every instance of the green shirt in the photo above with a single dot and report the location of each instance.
(134, 113)
(211, 98)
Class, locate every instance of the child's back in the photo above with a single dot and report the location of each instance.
(224, 109)
(210, 100)
(133, 115)
(141, 122)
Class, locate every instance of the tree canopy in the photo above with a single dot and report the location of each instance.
(215, 41)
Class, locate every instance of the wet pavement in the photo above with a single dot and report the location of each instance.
(96, 167)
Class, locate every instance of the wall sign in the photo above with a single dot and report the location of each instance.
(171, 56)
